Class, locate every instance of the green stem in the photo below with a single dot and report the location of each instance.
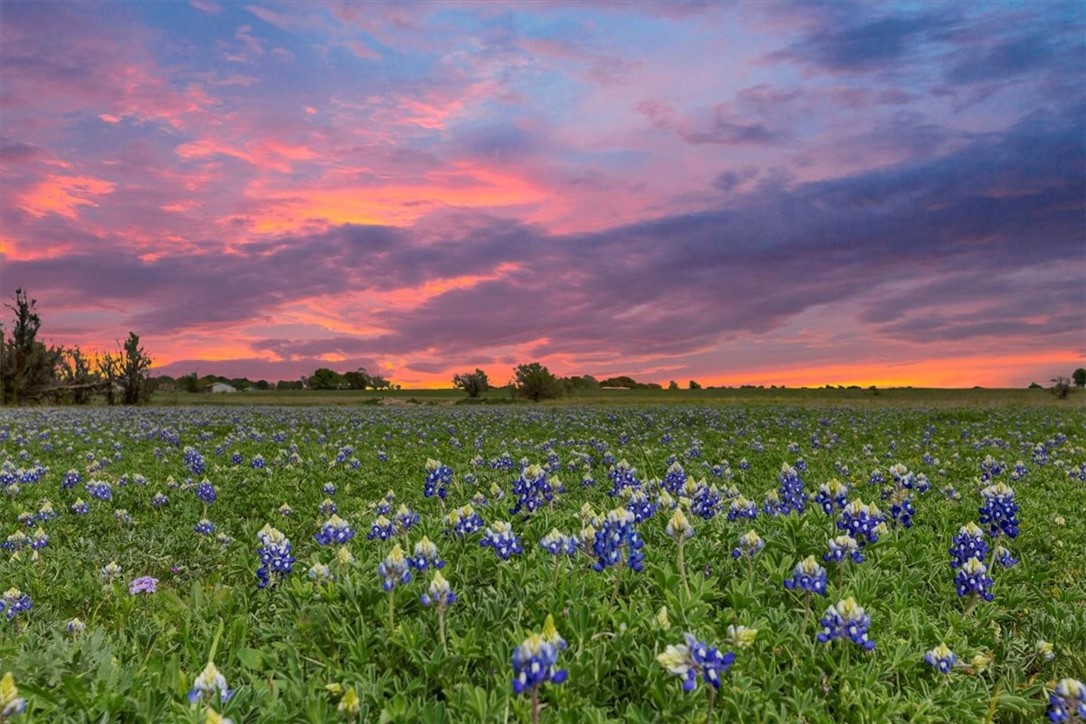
(391, 612)
(806, 613)
(535, 705)
(682, 568)
(712, 703)
(441, 623)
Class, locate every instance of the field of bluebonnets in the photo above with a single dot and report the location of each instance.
(571, 564)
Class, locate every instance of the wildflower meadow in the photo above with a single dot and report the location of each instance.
(580, 564)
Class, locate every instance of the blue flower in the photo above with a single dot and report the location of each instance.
(617, 540)
(639, 504)
(705, 500)
(535, 662)
(969, 543)
(972, 579)
(623, 475)
(696, 658)
(793, 496)
(328, 489)
(742, 508)
(204, 527)
(335, 531)
(394, 569)
(942, 658)
(159, 500)
(13, 602)
(532, 489)
(809, 576)
(846, 620)
(1067, 701)
(439, 593)
(750, 544)
(501, 538)
(193, 460)
(205, 491)
(99, 489)
(426, 556)
(275, 556)
(209, 683)
(832, 495)
(463, 521)
(674, 478)
(328, 507)
(406, 518)
(381, 529)
(1000, 511)
(438, 478)
(861, 521)
(1003, 557)
(558, 544)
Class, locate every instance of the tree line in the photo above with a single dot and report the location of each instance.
(32, 372)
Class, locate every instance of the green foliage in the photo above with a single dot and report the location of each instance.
(535, 382)
(28, 368)
(1061, 388)
(1079, 377)
(324, 379)
(474, 383)
(693, 385)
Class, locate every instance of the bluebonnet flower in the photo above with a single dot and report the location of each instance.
(1067, 701)
(617, 541)
(902, 510)
(193, 460)
(28, 519)
(1045, 650)
(236, 458)
(705, 500)
(143, 584)
(622, 475)
(426, 556)
(831, 495)
(75, 626)
(10, 701)
(405, 518)
(973, 579)
(46, 512)
(809, 576)
(328, 507)
(71, 479)
(846, 620)
(438, 478)
(209, 684)
(257, 463)
(99, 489)
(863, 522)
(501, 538)
(942, 658)
(696, 658)
(792, 493)
(990, 468)
(535, 662)
(841, 547)
(319, 572)
(275, 556)
(205, 491)
(381, 529)
(773, 505)
(204, 527)
(741, 637)
(750, 544)
(742, 508)
(14, 602)
(532, 489)
(1003, 557)
(335, 531)
(558, 544)
(285, 510)
(679, 528)
(639, 504)
(674, 478)
(159, 500)
(16, 541)
(394, 569)
(463, 521)
(121, 516)
(223, 539)
(110, 571)
(1000, 511)
(439, 593)
(969, 543)
(39, 540)
(328, 489)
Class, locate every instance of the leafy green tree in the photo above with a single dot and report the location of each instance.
(78, 378)
(324, 379)
(1061, 387)
(474, 383)
(673, 385)
(536, 382)
(358, 379)
(694, 385)
(1079, 376)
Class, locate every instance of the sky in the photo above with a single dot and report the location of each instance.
(735, 193)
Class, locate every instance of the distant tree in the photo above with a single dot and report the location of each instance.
(380, 383)
(78, 377)
(1079, 376)
(358, 379)
(109, 367)
(29, 370)
(1061, 387)
(584, 382)
(536, 382)
(133, 363)
(324, 379)
(189, 382)
(474, 383)
(673, 385)
(621, 381)
(288, 385)
(694, 385)
(262, 385)
(1035, 386)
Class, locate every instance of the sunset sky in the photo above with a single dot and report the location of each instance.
(764, 193)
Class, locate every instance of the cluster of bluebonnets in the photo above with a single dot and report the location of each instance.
(624, 499)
